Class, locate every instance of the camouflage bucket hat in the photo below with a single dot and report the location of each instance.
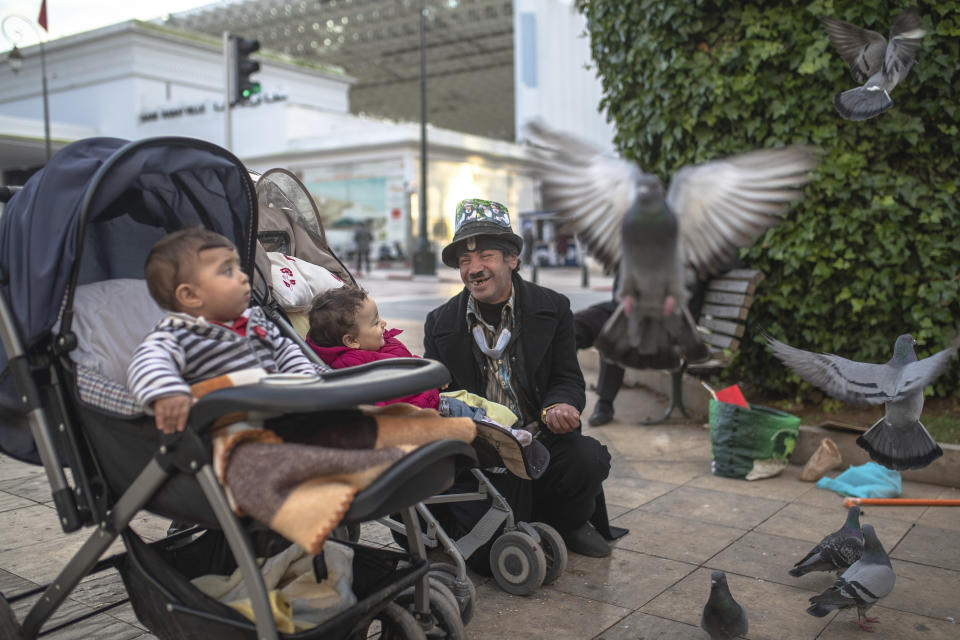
(475, 220)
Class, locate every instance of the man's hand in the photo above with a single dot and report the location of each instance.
(172, 412)
(562, 418)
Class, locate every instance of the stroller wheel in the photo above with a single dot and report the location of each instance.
(444, 608)
(465, 593)
(517, 563)
(393, 622)
(554, 549)
(9, 628)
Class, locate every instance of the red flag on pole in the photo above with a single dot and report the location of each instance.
(42, 20)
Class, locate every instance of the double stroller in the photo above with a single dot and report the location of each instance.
(86, 222)
(523, 556)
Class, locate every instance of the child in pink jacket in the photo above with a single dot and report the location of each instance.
(346, 330)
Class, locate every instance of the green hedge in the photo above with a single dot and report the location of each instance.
(873, 250)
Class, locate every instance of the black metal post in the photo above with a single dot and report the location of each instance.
(424, 260)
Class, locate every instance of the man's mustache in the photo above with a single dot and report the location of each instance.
(476, 275)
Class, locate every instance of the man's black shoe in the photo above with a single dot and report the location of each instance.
(586, 541)
(602, 413)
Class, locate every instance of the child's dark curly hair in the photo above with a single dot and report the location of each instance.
(333, 314)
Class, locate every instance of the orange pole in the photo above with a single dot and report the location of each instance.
(902, 502)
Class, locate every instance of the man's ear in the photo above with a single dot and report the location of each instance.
(512, 261)
(185, 295)
(351, 341)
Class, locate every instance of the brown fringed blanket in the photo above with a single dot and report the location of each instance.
(298, 474)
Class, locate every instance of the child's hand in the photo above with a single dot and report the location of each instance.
(172, 412)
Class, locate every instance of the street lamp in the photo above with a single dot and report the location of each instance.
(424, 261)
(15, 36)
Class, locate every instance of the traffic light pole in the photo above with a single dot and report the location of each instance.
(228, 90)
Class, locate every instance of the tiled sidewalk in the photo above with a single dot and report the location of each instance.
(683, 523)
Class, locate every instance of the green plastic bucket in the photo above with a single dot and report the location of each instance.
(740, 436)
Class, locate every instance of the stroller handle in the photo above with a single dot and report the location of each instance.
(339, 389)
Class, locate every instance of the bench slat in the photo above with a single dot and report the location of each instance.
(720, 341)
(733, 299)
(732, 286)
(750, 275)
(724, 327)
(724, 311)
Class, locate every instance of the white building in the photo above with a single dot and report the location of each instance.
(135, 80)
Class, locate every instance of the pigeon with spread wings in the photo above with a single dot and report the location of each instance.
(874, 63)
(661, 241)
(898, 440)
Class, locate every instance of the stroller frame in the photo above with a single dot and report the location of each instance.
(41, 373)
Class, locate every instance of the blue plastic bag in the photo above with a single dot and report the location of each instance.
(869, 480)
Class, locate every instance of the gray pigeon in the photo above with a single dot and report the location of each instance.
(837, 551)
(874, 63)
(862, 585)
(665, 238)
(723, 617)
(898, 440)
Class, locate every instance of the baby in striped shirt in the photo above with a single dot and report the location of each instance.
(210, 331)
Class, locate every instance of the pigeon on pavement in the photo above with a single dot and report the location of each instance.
(898, 440)
(660, 240)
(837, 551)
(862, 585)
(723, 617)
(874, 63)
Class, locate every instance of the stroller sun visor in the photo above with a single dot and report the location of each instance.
(119, 198)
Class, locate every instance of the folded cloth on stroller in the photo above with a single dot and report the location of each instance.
(301, 485)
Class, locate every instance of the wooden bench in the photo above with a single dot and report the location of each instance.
(722, 324)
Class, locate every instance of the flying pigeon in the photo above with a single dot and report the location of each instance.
(723, 617)
(837, 551)
(862, 585)
(898, 440)
(662, 240)
(874, 63)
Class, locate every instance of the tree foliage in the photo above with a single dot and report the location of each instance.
(873, 249)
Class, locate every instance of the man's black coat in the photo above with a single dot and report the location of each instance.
(546, 338)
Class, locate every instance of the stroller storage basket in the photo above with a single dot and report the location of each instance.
(157, 577)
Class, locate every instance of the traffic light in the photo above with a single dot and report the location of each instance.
(242, 67)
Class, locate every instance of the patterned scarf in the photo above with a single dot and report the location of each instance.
(495, 353)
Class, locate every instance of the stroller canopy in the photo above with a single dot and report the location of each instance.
(100, 204)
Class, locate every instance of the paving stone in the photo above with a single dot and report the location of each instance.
(625, 578)
(643, 626)
(925, 590)
(942, 517)
(11, 583)
(893, 625)
(774, 611)
(42, 561)
(632, 492)
(679, 539)
(10, 501)
(33, 487)
(26, 526)
(667, 471)
(812, 523)
(547, 613)
(929, 545)
(786, 486)
(715, 507)
(655, 442)
(14, 469)
(759, 555)
(101, 626)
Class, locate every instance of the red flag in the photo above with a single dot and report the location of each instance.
(42, 20)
